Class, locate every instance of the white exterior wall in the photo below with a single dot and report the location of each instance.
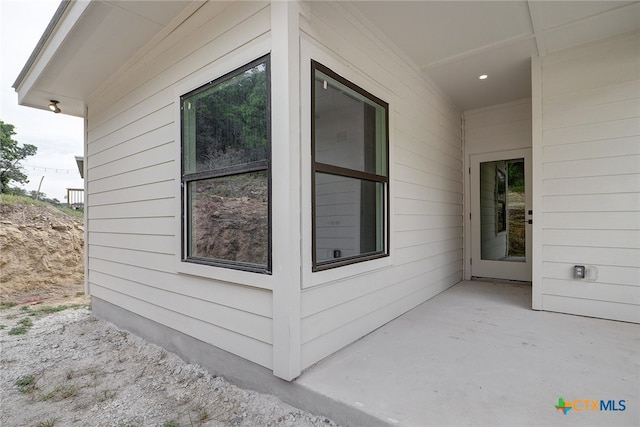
(343, 304)
(498, 128)
(587, 181)
(133, 182)
(492, 129)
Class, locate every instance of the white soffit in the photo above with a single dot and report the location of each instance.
(508, 69)
(92, 45)
(435, 31)
(455, 41)
(89, 43)
(160, 15)
(592, 28)
(556, 13)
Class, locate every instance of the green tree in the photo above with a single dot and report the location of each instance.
(10, 157)
(232, 119)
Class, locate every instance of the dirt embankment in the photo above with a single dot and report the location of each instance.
(41, 248)
(61, 366)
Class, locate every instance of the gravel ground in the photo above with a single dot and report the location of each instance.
(69, 368)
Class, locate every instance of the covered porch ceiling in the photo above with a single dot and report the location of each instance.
(454, 42)
(451, 42)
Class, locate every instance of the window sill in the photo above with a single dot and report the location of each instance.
(223, 274)
(328, 275)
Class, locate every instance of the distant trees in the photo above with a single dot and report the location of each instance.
(516, 176)
(10, 157)
(232, 121)
(33, 194)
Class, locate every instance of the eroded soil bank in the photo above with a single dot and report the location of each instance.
(60, 366)
(42, 249)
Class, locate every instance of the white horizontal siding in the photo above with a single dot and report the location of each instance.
(240, 297)
(146, 225)
(592, 132)
(588, 98)
(157, 155)
(241, 345)
(613, 147)
(603, 308)
(499, 127)
(425, 187)
(140, 143)
(134, 191)
(591, 179)
(326, 297)
(146, 176)
(139, 209)
(149, 260)
(620, 202)
(621, 257)
(606, 220)
(604, 184)
(229, 318)
(323, 345)
(609, 238)
(131, 181)
(163, 244)
(610, 274)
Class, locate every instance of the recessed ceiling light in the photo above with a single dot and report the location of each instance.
(483, 77)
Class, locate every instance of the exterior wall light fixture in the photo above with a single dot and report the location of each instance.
(53, 106)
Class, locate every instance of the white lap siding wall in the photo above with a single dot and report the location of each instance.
(133, 202)
(132, 183)
(587, 147)
(426, 182)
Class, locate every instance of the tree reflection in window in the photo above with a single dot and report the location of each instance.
(226, 158)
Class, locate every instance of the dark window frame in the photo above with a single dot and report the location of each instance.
(256, 166)
(318, 167)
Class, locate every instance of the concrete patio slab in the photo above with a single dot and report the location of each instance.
(477, 354)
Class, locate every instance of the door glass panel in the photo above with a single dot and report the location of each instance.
(502, 210)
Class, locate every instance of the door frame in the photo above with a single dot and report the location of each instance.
(473, 161)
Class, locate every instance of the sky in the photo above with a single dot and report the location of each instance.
(59, 137)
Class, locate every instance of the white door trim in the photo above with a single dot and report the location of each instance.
(498, 269)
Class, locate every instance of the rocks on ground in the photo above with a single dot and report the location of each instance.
(70, 368)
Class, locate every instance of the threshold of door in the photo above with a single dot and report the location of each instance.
(490, 279)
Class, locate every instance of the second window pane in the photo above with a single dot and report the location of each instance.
(348, 213)
(350, 128)
(229, 218)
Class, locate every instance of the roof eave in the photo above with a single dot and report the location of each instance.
(30, 94)
(41, 43)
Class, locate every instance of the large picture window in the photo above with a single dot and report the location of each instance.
(350, 182)
(226, 157)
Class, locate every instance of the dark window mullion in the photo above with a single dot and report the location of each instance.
(349, 173)
(323, 165)
(232, 170)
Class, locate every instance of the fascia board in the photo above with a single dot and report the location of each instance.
(66, 18)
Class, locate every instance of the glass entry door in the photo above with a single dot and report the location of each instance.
(501, 215)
